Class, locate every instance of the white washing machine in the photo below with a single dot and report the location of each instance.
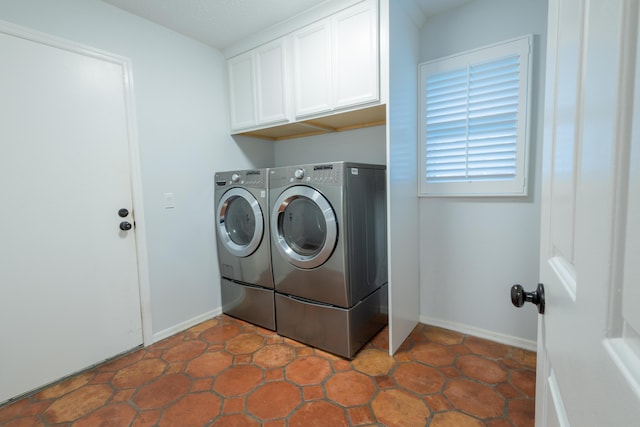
(244, 253)
(329, 253)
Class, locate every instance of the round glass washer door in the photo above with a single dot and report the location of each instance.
(304, 227)
(240, 222)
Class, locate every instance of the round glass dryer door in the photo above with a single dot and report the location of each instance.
(240, 222)
(304, 226)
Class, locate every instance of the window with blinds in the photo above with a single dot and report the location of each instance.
(474, 121)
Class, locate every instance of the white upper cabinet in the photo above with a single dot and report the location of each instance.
(355, 55)
(258, 87)
(272, 88)
(312, 69)
(329, 66)
(335, 61)
(241, 91)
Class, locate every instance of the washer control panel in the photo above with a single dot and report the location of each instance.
(249, 178)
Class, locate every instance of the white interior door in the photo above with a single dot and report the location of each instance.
(68, 274)
(588, 343)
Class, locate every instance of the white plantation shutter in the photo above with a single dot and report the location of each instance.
(474, 121)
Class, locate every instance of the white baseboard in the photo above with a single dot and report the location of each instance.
(186, 324)
(446, 324)
(480, 333)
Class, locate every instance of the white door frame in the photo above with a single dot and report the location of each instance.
(134, 155)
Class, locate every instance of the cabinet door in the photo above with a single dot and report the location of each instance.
(272, 91)
(241, 91)
(355, 55)
(312, 69)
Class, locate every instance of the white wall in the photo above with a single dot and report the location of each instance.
(402, 221)
(181, 109)
(474, 249)
(366, 145)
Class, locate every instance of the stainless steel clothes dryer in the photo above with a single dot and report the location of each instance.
(244, 253)
(328, 238)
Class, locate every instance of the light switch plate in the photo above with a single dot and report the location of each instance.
(169, 201)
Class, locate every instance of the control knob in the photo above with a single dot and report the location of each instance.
(235, 177)
(299, 173)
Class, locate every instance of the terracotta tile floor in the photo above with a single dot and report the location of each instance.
(225, 372)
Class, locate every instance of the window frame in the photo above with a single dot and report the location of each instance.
(518, 186)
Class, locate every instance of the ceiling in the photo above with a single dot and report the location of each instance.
(221, 23)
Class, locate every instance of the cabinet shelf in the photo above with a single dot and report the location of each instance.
(365, 117)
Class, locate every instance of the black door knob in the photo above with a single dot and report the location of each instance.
(519, 297)
(122, 213)
(125, 225)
